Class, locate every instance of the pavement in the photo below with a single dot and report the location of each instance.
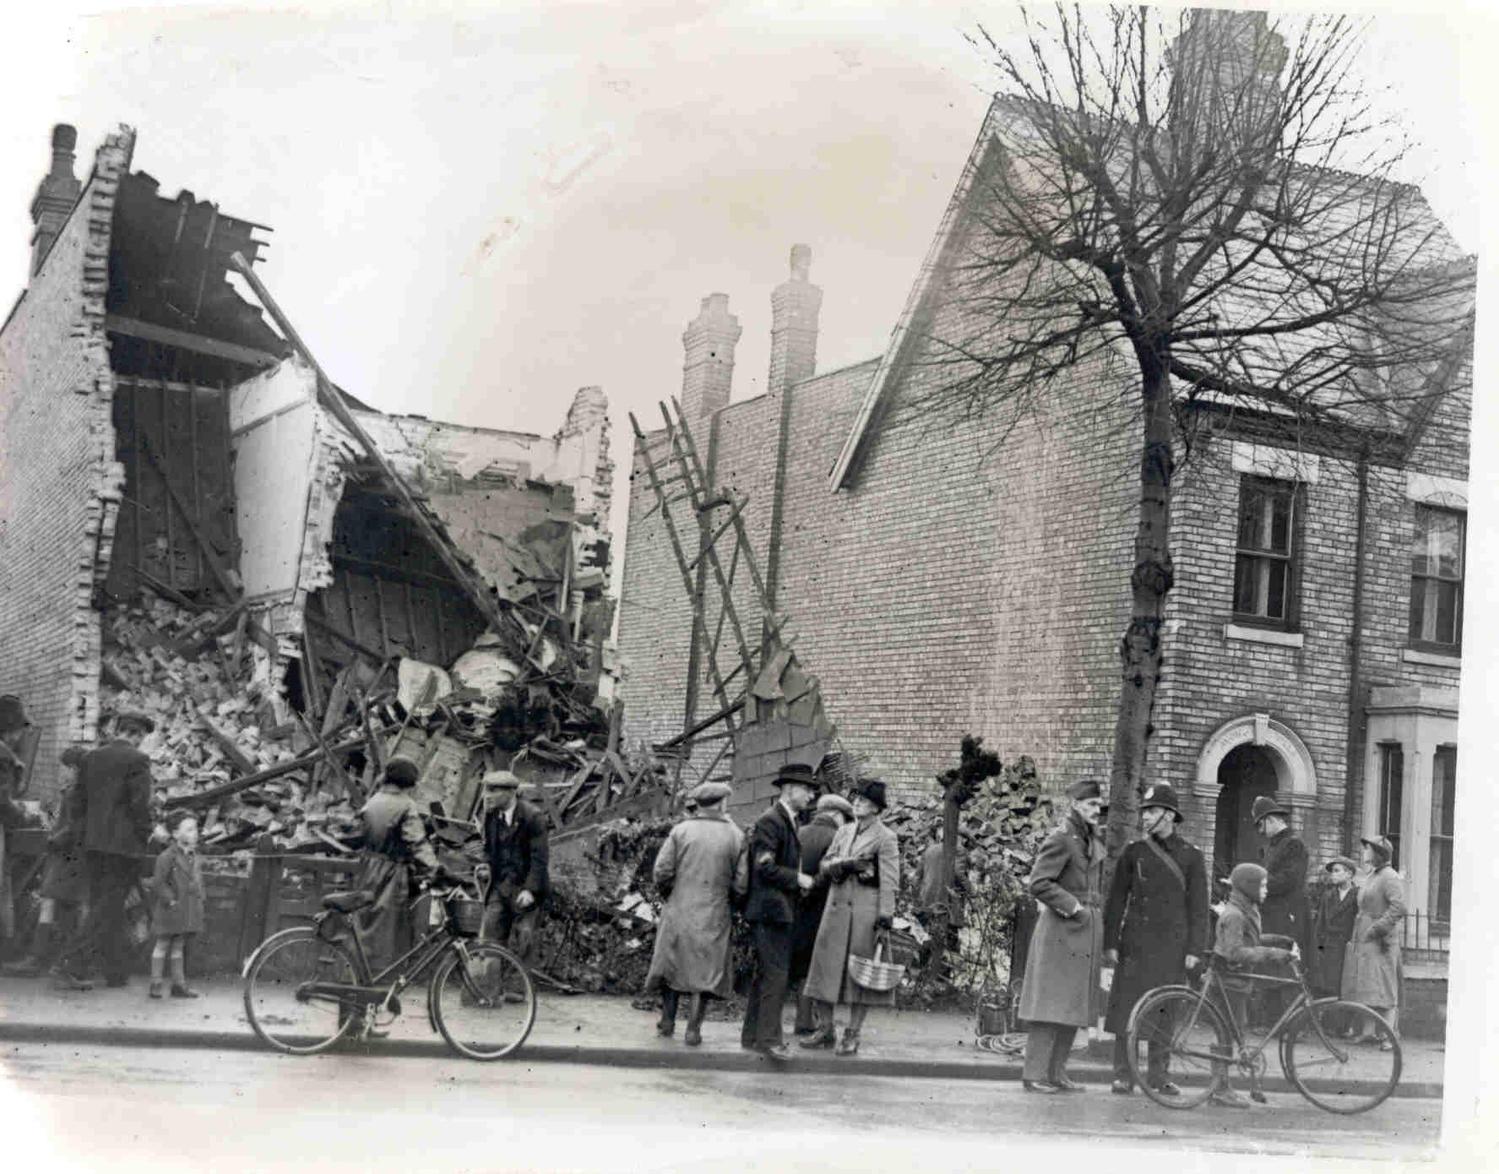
(579, 1029)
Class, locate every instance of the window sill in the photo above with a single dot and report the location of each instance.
(1254, 635)
(1438, 659)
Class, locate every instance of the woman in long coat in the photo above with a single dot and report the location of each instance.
(863, 870)
(1061, 970)
(397, 853)
(1371, 973)
(814, 838)
(702, 866)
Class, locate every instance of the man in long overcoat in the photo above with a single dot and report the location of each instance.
(1287, 910)
(1155, 926)
(776, 884)
(833, 811)
(702, 867)
(1061, 970)
(116, 783)
(518, 848)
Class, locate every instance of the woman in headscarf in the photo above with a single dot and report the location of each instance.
(1371, 973)
(862, 866)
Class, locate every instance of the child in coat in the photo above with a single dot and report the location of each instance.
(176, 907)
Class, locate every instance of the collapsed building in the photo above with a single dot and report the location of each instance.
(194, 521)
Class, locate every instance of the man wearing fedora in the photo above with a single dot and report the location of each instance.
(776, 885)
(1155, 927)
(1286, 910)
(116, 814)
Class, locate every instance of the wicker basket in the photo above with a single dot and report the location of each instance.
(465, 916)
(875, 974)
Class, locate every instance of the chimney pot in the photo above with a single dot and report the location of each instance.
(55, 195)
(64, 138)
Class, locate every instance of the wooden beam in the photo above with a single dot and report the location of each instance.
(187, 341)
(220, 572)
(203, 798)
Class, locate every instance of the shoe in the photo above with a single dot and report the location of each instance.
(848, 1045)
(1167, 1089)
(1040, 1086)
(666, 1028)
(1227, 1098)
(1257, 1097)
(1067, 1084)
(179, 991)
(692, 1037)
(155, 991)
(823, 1037)
(1122, 1088)
(1386, 1046)
(62, 981)
(779, 1052)
(514, 997)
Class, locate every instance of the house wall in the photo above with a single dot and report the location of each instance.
(59, 482)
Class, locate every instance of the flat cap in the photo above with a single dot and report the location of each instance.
(1085, 789)
(502, 778)
(710, 792)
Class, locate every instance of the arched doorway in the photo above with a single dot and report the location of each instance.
(1246, 773)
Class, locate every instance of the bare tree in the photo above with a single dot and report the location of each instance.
(1213, 200)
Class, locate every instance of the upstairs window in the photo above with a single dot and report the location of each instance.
(1266, 571)
(1436, 619)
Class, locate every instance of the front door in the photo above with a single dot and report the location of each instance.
(1246, 773)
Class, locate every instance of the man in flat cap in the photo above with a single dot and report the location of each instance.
(516, 844)
(1155, 928)
(702, 867)
(115, 781)
(1061, 970)
(776, 885)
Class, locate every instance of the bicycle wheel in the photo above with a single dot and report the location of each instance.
(482, 1000)
(1180, 1022)
(278, 1007)
(1337, 1074)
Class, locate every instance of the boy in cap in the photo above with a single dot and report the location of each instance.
(1332, 927)
(516, 844)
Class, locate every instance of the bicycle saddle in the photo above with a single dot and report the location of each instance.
(348, 902)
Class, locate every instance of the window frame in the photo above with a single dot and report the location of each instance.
(1389, 751)
(1440, 916)
(1414, 640)
(1294, 558)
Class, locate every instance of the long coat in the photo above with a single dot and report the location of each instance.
(177, 893)
(854, 905)
(1371, 971)
(1331, 930)
(775, 858)
(116, 780)
(814, 837)
(1061, 970)
(1154, 920)
(705, 863)
(64, 876)
(1286, 909)
(396, 849)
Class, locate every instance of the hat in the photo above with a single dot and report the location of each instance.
(871, 789)
(73, 756)
(710, 793)
(1162, 795)
(134, 717)
(1247, 878)
(1381, 847)
(832, 802)
(1343, 860)
(402, 771)
(1266, 805)
(12, 714)
(796, 772)
(1085, 789)
(501, 778)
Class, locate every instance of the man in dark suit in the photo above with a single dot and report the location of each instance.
(776, 884)
(116, 814)
(516, 846)
(1286, 910)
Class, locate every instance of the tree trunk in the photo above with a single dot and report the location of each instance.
(1150, 582)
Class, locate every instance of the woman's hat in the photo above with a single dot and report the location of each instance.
(796, 772)
(871, 789)
(1162, 795)
(402, 771)
(838, 803)
(1266, 805)
(1343, 860)
(1381, 847)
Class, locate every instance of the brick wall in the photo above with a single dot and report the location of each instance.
(59, 483)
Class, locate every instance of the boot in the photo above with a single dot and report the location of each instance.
(666, 1026)
(180, 989)
(695, 1010)
(823, 1033)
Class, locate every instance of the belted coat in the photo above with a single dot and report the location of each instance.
(1371, 973)
(855, 903)
(396, 851)
(1061, 970)
(704, 861)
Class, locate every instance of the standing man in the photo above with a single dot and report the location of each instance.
(516, 846)
(776, 884)
(116, 811)
(1061, 970)
(701, 867)
(1286, 910)
(1155, 927)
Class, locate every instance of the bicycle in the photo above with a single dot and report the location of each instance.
(1330, 1071)
(305, 989)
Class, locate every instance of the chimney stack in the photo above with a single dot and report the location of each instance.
(1225, 85)
(55, 196)
(708, 365)
(793, 324)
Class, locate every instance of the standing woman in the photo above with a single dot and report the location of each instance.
(1332, 927)
(815, 838)
(1372, 972)
(862, 866)
(1061, 970)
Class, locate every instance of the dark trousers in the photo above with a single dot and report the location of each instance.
(515, 929)
(767, 993)
(1046, 1048)
(103, 927)
(1157, 1061)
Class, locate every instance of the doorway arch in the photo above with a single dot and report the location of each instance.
(1244, 758)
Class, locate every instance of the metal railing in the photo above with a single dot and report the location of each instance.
(1419, 931)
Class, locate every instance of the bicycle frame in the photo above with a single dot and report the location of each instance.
(1245, 1055)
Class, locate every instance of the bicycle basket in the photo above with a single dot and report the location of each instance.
(465, 916)
(875, 974)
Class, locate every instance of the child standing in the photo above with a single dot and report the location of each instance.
(176, 907)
